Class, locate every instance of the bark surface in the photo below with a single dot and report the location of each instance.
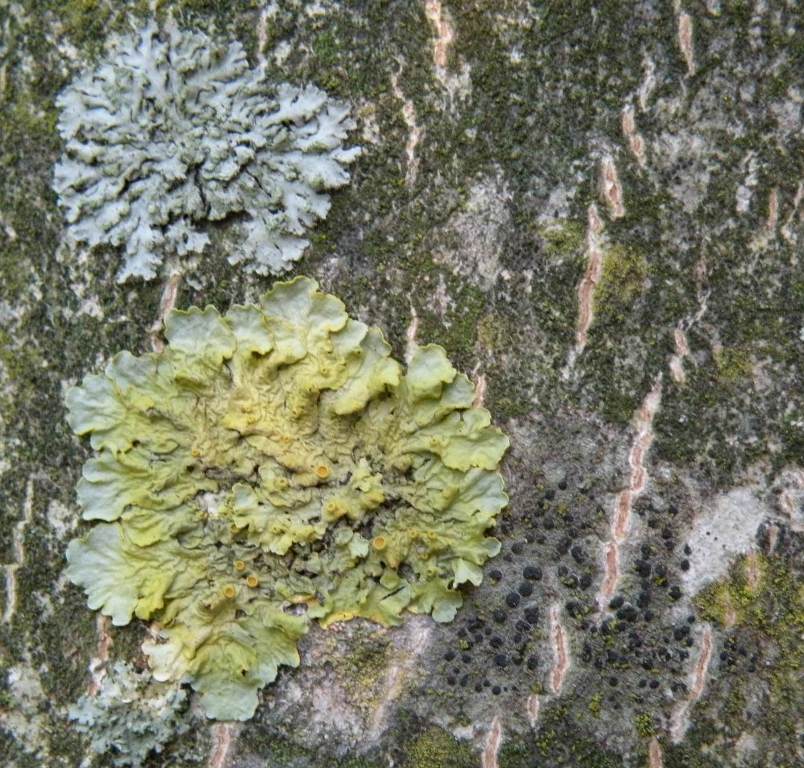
(596, 208)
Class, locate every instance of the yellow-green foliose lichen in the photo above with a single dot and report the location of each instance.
(274, 466)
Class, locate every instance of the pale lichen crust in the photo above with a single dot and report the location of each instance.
(130, 717)
(274, 466)
(173, 130)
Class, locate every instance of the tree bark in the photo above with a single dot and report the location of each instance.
(596, 208)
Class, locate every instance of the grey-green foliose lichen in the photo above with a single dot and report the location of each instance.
(130, 716)
(173, 130)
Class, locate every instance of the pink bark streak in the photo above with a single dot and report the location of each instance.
(414, 132)
(610, 188)
(621, 519)
(680, 721)
(635, 141)
(443, 29)
(594, 271)
(681, 342)
(677, 360)
(685, 41)
(558, 637)
(97, 664)
(170, 293)
(492, 745)
(655, 757)
(611, 574)
(480, 391)
(224, 736)
(410, 334)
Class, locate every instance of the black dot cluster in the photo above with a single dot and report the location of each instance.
(497, 647)
(491, 648)
(555, 543)
(631, 638)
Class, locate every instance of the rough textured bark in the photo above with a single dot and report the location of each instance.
(596, 207)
